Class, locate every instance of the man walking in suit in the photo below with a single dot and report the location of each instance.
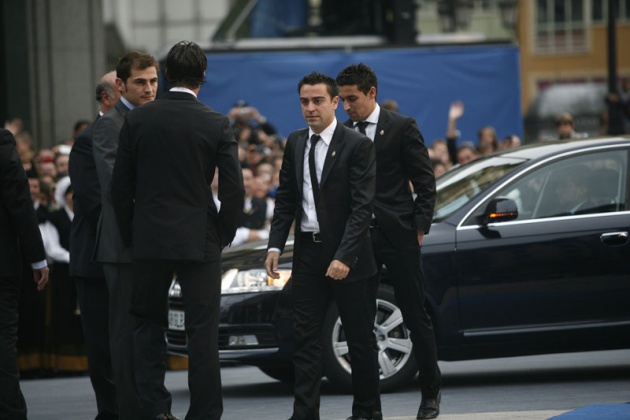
(19, 235)
(399, 222)
(88, 274)
(166, 161)
(327, 188)
(137, 79)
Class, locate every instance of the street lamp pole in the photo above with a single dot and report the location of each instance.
(615, 116)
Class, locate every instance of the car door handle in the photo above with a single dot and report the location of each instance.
(614, 238)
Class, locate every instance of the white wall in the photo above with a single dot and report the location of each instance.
(155, 25)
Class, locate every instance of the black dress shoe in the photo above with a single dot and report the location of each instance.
(375, 416)
(429, 407)
(166, 416)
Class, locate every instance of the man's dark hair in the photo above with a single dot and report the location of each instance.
(360, 75)
(316, 78)
(185, 65)
(134, 60)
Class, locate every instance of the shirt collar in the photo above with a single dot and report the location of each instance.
(372, 118)
(182, 89)
(127, 103)
(327, 133)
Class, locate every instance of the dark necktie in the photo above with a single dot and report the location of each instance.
(311, 166)
(362, 125)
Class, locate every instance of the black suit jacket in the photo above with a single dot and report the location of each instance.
(86, 206)
(18, 224)
(167, 154)
(345, 201)
(401, 156)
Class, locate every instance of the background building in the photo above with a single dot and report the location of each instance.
(52, 52)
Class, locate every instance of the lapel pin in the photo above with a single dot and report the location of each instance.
(333, 153)
(382, 132)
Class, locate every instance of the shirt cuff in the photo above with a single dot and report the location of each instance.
(274, 249)
(39, 264)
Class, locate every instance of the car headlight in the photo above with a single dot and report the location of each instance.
(247, 281)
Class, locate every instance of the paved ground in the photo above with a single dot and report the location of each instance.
(525, 388)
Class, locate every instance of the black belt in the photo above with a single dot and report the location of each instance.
(312, 236)
(374, 224)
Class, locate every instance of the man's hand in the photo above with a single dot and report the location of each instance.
(420, 237)
(337, 270)
(271, 264)
(41, 277)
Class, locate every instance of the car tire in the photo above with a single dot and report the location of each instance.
(396, 360)
(282, 374)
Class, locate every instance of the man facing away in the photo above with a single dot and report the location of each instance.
(399, 222)
(327, 187)
(18, 234)
(166, 161)
(137, 79)
(88, 274)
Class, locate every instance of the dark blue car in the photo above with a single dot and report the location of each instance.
(528, 254)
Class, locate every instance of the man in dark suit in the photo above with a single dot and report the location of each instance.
(18, 234)
(327, 188)
(136, 78)
(88, 274)
(166, 161)
(399, 222)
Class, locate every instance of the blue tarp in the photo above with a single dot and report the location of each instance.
(424, 81)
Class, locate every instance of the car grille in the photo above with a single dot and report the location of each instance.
(176, 338)
(264, 335)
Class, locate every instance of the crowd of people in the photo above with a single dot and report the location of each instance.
(89, 183)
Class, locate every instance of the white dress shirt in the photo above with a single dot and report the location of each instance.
(309, 213)
(372, 120)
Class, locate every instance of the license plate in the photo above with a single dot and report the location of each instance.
(176, 320)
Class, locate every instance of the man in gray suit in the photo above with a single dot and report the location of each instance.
(137, 79)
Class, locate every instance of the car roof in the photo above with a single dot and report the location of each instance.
(551, 148)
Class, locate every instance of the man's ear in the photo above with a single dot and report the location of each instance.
(372, 93)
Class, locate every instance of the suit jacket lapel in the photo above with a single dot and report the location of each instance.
(382, 127)
(299, 159)
(334, 149)
(122, 108)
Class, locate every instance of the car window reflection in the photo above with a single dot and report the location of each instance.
(587, 184)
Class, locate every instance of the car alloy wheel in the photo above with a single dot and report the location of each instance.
(395, 356)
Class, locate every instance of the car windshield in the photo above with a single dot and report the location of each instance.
(460, 185)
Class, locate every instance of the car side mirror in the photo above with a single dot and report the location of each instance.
(499, 209)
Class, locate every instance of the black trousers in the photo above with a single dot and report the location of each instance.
(119, 278)
(201, 292)
(12, 404)
(405, 271)
(93, 298)
(312, 293)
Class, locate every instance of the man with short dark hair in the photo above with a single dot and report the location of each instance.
(327, 189)
(169, 150)
(137, 79)
(400, 221)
